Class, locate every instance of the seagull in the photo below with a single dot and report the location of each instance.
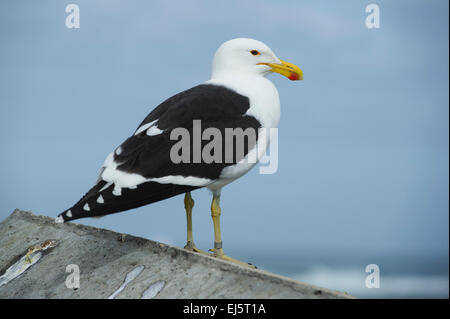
(182, 144)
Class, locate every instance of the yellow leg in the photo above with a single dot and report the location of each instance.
(188, 205)
(215, 214)
(218, 250)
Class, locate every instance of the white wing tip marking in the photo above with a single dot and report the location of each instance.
(100, 199)
(154, 130)
(86, 207)
(144, 127)
(105, 187)
(59, 220)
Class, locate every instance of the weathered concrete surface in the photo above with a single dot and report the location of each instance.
(105, 258)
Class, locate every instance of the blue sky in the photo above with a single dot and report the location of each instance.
(363, 140)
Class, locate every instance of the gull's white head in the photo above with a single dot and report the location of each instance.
(244, 56)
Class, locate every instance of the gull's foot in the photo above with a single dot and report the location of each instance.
(191, 246)
(218, 253)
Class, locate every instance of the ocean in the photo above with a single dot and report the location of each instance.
(399, 276)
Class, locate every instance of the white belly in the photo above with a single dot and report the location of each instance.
(265, 107)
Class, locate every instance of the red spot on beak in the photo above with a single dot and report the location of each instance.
(293, 76)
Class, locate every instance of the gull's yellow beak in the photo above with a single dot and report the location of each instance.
(289, 70)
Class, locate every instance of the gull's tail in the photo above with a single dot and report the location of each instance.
(104, 199)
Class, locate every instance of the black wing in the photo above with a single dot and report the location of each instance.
(215, 106)
(149, 155)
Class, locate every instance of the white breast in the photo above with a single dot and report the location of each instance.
(265, 107)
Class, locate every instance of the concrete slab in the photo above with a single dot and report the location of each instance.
(35, 253)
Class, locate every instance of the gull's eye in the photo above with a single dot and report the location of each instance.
(255, 52)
